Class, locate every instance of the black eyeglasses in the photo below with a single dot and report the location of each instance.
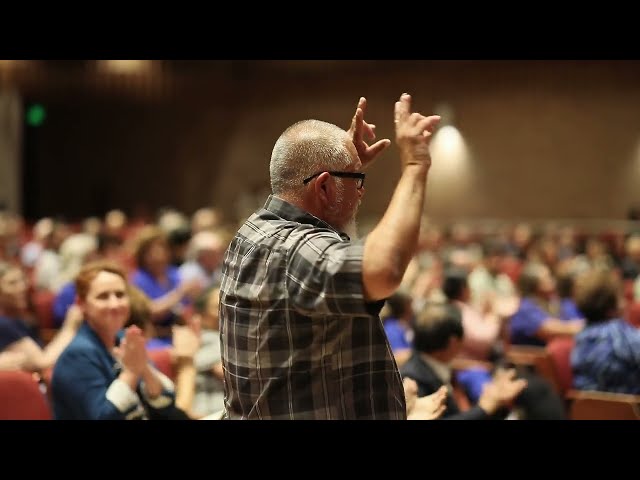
(357, 175)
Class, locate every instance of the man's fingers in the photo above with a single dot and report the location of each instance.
(370, 131)
(362, 104)
(378, 147)
(428, 124)
(358, 120)
(402, 108)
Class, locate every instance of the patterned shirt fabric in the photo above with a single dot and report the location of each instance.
(298, 339)
(606, 358)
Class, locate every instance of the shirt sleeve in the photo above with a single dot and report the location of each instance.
(527, 320)
(166, 397)
(62, 302)
(9, 333)
(324, 277)
(396, 335)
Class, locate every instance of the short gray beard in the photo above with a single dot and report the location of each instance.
(351, 229)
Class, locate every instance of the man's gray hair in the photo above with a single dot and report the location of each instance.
(305, 148)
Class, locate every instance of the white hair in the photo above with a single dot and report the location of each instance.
(305, 148)
(73, 252)
(202, 241)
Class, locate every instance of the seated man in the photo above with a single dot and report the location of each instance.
(437, 340)
(533, 324)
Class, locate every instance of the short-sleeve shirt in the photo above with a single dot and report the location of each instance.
(298, 339)
(606, 358)
(526, 322)
(150, 286)
(399, 336)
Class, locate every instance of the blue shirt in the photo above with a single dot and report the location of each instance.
(150, 286)
(473, 381)
(526, 322)
(397, 334)
(569, 310)
(12, 330)
(64, 299)
(606, 358)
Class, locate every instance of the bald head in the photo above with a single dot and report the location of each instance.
(305, 148)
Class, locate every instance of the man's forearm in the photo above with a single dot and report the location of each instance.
(391, 245)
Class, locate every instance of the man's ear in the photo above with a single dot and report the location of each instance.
(325, 190)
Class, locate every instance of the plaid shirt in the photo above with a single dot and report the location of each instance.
(298, 340)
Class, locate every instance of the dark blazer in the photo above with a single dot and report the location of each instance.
(428, 383)
(83, 374)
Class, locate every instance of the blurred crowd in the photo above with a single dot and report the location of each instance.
(469, 299)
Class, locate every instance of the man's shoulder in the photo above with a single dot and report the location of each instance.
(275, 231)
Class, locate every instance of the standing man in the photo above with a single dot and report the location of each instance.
(300, 296)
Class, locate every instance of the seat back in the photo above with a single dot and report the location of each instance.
(592, 405)
(536, 359)
(633, 314)
(21, 397)
(559, 351)
(524, 355)
(43, 301)
(161, 358)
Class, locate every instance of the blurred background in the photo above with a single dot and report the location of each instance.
(154, 163)
(520, 140)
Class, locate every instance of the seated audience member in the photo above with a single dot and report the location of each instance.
(438, 334)
(108, 248)
(30, 252)
(20, 347)
(606, 356)
(97, 378)
(532, 324)
(186, 342)
(568, 310)
(178, 241)
(47, 267)
(630, 264)
(481, 333)
(206, 218)
(204, 260)
(396, 317)
(490, 288)
(161, 283)
(209, 389)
